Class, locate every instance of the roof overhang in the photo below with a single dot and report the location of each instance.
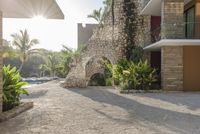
(30, 8)
(153, 8)
(172, 42)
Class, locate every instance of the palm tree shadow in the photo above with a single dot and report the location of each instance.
(181, 123)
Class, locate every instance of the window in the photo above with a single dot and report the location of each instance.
(190, 23)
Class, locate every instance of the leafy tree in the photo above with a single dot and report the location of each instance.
(67, 59)
(51, 63)
(8, 50)
(78, 52)
(24, 44)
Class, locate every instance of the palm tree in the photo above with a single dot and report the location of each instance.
(23, 42)
(51, 64)
(107, 7)
(97, 15)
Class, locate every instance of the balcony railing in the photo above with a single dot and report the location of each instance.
(191, 31)
(152, 36)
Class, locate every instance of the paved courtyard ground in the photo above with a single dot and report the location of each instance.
(98, 110)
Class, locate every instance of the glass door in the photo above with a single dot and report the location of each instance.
(190, 23)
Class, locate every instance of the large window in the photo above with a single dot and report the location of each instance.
(190, 23)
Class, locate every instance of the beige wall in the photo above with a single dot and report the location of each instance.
(191, 68)
(85, 33)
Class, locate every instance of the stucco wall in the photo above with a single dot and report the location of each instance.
(85, 33)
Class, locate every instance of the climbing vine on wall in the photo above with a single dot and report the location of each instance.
(130, 26)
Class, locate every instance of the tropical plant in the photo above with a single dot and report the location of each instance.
(67, 59)
(51, 63)
(24, 44)
(78, 52)
(100, 14)
(146, 75)
(12, 88)
(97, 15)
(134, 75)
(8, 50)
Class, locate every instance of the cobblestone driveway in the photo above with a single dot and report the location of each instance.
(98, 110)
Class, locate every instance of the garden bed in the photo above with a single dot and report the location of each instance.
(16, 111)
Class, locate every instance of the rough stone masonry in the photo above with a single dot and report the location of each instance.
(111, 42)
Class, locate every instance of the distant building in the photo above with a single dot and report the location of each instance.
(85, 32)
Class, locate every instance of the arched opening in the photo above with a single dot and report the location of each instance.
(97, 73)
(97, 79)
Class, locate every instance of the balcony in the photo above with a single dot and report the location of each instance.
(191, 35)
(153, 7)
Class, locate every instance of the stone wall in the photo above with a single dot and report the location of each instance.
(172, 68)
(110, 41)
(172, 13)
(1, 64)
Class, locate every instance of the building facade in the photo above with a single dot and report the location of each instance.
(174, 42)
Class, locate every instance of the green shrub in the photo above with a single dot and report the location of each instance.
(109, 81)
(134, 75)
(12, 88)
(146, 75)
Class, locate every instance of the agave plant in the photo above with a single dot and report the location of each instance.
(12, 88)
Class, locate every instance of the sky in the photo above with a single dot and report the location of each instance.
(52, 34)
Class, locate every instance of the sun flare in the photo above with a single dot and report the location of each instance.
(39, 18)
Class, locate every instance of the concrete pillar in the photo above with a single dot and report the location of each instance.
(1, 63)
(172, 68)
(172, 13)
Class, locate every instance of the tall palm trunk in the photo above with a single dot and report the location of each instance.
(22, 62)
(21, 66)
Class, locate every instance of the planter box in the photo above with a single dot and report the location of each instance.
(15, 111)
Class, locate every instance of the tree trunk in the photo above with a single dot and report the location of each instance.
(21, 66)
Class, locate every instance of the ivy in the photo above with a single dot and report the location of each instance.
(130, 27)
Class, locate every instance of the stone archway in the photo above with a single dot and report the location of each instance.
(110, 40)
(97, 79)
(95, 66)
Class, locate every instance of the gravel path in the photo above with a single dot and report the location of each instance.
(98, 110)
